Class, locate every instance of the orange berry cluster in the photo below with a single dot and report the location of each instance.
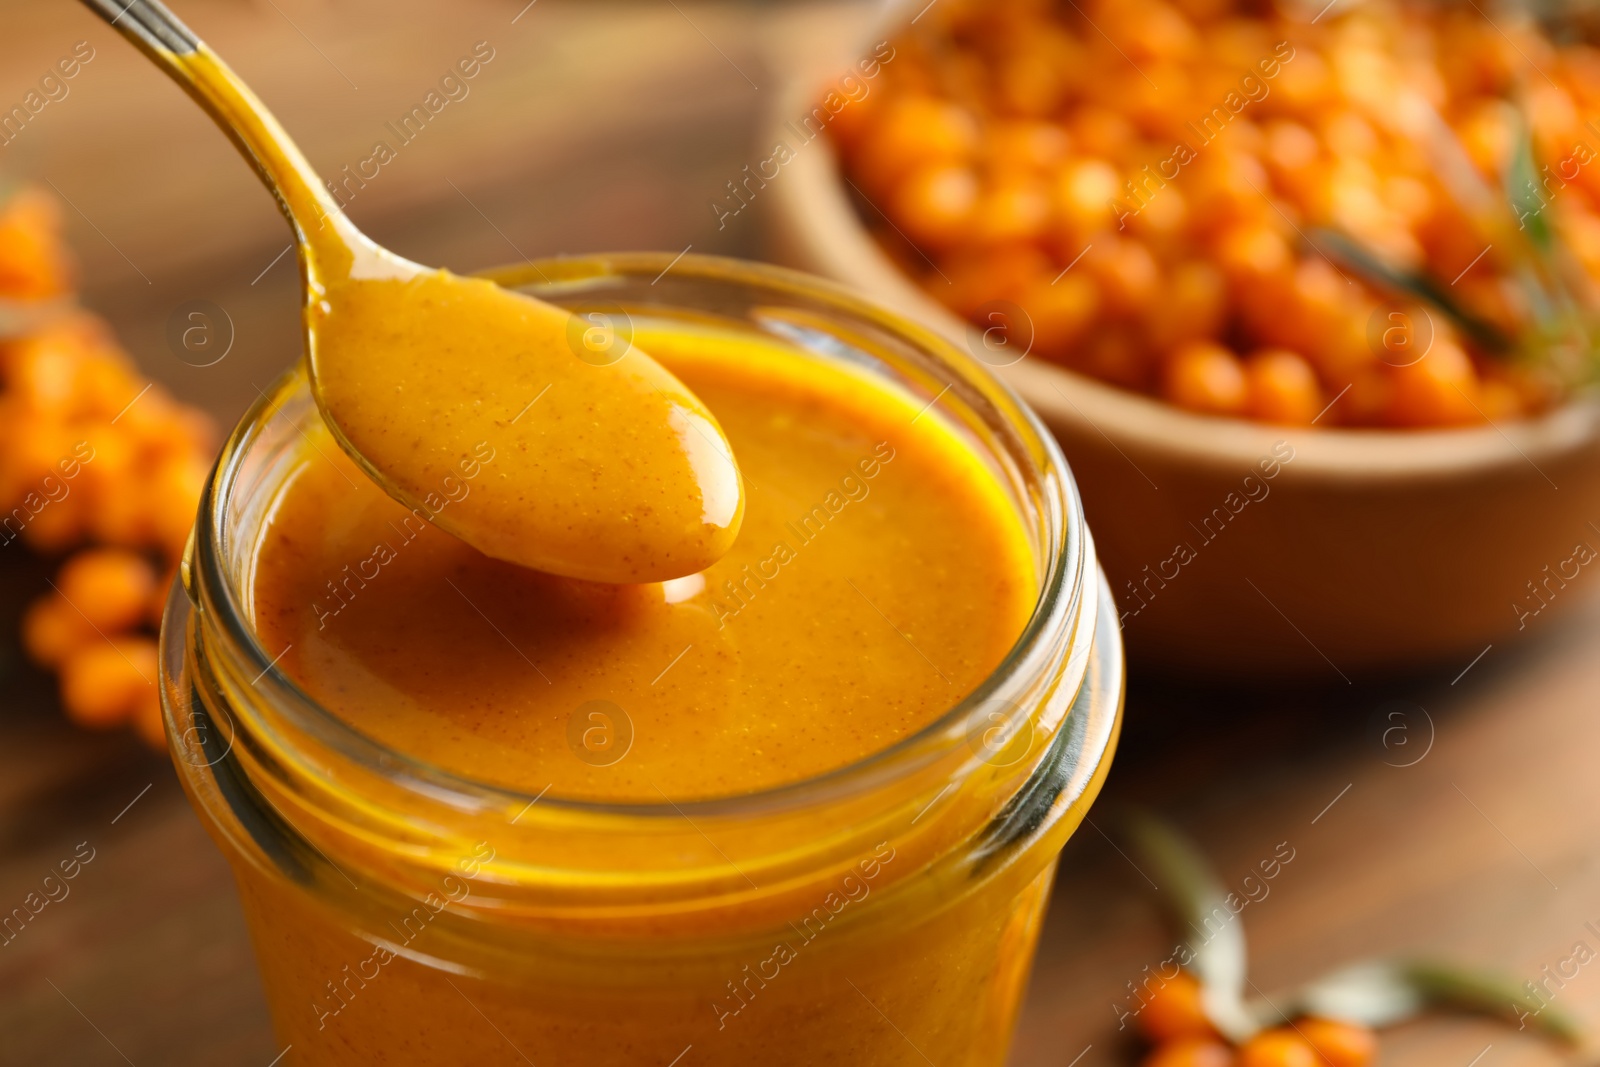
(95, 461)
(1143, 178)
(1175, 1023)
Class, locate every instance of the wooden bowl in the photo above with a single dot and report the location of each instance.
(1238, 548)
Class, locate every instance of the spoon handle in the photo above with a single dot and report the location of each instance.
(325, 234)
(148, 24)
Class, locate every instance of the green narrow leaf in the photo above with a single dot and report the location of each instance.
(1197, 903)
(1373, 993)
(1515, 219)
(1522, 189)
(1448, 985)
(1381, 992)
(1360, 259)
(1550, 277)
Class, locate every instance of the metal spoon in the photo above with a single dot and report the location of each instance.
(428, 380)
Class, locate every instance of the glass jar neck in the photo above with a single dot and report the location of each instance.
(321, 803)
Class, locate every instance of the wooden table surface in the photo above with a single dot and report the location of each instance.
(1471, 834)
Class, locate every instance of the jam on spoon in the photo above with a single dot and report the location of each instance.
(605, 470)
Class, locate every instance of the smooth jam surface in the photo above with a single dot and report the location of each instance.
(879, 576)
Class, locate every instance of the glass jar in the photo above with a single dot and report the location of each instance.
(883, 913)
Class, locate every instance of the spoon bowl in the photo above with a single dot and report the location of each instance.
(596, 462)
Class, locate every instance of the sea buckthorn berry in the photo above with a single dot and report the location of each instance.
(1440, 389)
(1282, 388)
(101, 682)
(33, 260)
(45, 374)
(1410, 198)
(1175, 152)
(1366, 402)
(851, 120)
(1322, 298)
(155, 424)
(1315, 303)
(1498, 301)
(1339, 1044)
(1453, 244)
(911, 132)
(1582, 66)
(75, 333)
(1205, 377)
(1393, 243)
(1174, 1011)
(35, 445)
(52, 629)
(1488, 133)
(1290, 152)
(963, 76)
(1062, 311)
(1305, 83)
(1236, 42)
(56, 526)
(1162, 218)
(1352, 199)
(1554, 118)
(1500, 400)
(147, 718)
(1031, 84)
(1025, 144)
(1229, 188)
(105, 454)
(1588, 180)
(1190, 1052)
(976, 277)
(1149, 29)
(104, 387)
(1084, 191)
(1126, 271)
(934, 205)
(1100, 132)
(1253, 254)
(121, 518)
(1247, 140)
(110, 586)
(1347, 348)
(1204, 10)
(1582, 232)
(1015, 209)
(175, 488)
(1159, 106)
(1116, 354)
(1277, 1048)
(1191, 307)
(1346, 133)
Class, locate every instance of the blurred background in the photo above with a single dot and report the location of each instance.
(1449, 811)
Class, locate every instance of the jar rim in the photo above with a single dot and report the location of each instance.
(1067, 596)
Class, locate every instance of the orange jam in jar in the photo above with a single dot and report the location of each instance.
(801, 807)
